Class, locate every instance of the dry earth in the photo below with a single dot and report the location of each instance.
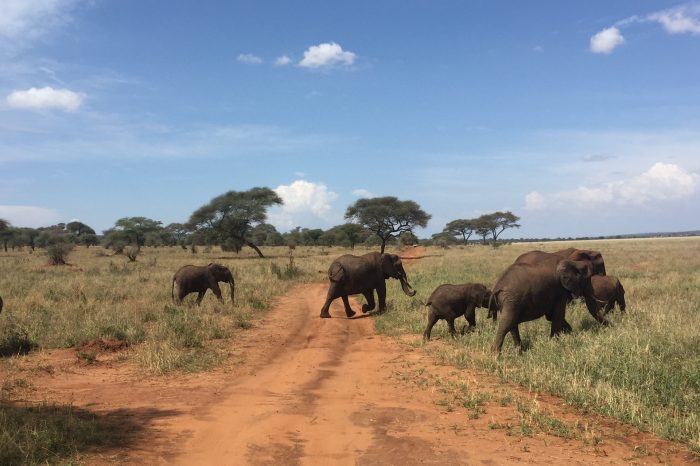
(300, 390)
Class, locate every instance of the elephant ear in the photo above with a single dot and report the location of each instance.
(569, 276)
(336, 272)
(387, 263)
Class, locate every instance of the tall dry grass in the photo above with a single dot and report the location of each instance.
(644, 369)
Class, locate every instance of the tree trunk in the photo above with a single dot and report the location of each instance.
(248, 243)
(383, 246)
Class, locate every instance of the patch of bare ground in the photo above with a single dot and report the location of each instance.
(302, 390)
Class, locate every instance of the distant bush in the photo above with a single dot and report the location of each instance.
(58, 252)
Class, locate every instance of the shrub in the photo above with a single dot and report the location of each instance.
(58, 252)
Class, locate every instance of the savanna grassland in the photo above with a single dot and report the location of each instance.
(644, 369)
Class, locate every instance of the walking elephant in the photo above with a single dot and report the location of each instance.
(194, 278)
(451, 301)
(350, 275)
(526, 292)
(607, 291)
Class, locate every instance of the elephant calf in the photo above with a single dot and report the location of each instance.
(193, 278)
(607, 291)
(451, 301)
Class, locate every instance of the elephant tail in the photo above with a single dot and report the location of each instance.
(493, 305)
(336, 272)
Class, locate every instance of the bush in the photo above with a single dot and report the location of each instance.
(58, 252)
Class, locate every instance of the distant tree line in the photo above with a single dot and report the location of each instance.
(239, 218)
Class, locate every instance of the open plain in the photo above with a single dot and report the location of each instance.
(100, 367)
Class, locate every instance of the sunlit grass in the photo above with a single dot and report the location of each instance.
(644, 369)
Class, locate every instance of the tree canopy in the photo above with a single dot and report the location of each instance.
(387, 217)
(230, 217)
(488, 224)
(461, 227)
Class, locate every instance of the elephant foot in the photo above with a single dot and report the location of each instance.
(349, 313)
(366, 308)
(325, 315)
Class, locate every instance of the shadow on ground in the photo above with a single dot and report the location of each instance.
(49, 433)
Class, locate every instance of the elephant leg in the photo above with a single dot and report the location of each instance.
(432, 319)
(217, 291)
(506, 323)
(515, 333)
(381, 297)
(329, 299)
(200, 296)
(559, 323)
(609, 306)
(348, 310)
(470, 315)
(451, 325)
(621, 301)
(181, 293)
(369, 296)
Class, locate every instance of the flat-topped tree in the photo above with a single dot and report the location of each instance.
(231, 216)
(387, 216)
(461, 227)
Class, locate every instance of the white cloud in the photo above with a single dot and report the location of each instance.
(606, 40)
(361, 192)
(284, 60)
(302, 200)
(679, 20)
(29, 19)
(326, 55)
(662, 182)
(45, 98)
(28, 216)
(249, 59)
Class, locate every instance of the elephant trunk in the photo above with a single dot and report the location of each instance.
(406, 287)
(592, 302)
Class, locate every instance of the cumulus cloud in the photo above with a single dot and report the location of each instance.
(662, 182)
(284, 60)
(606, 40)
(326, 55)
(45, 98)
(249, 59)
(303, 200)
(363, 193)
(28, 216)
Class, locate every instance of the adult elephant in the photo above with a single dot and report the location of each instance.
(526, 292)
(194, 278)
(350, 274)
(551, 260)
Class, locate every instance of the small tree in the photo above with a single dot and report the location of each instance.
(387, 217)
(232, 215)
(6, 233)
(461, 227)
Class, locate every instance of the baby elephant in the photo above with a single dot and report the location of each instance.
(191, 278)
(608, 290)
(451, 301)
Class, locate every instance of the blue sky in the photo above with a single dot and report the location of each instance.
(583, 118)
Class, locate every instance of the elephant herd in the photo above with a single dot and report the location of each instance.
(537, 284)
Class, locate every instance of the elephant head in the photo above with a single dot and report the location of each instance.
(393, 268)
(593, 257)
(480, 295)
(575, 277)
(222, 274)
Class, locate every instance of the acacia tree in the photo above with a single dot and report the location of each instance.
(231, 216)
(387, 216)
(500, 221)
(461, 227)
(79, 229)
(6, 232)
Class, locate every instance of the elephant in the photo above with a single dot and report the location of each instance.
(451, 301)
(0, 304)
(350, 274)
(526, 292)
(191, 278)
(608, 290)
